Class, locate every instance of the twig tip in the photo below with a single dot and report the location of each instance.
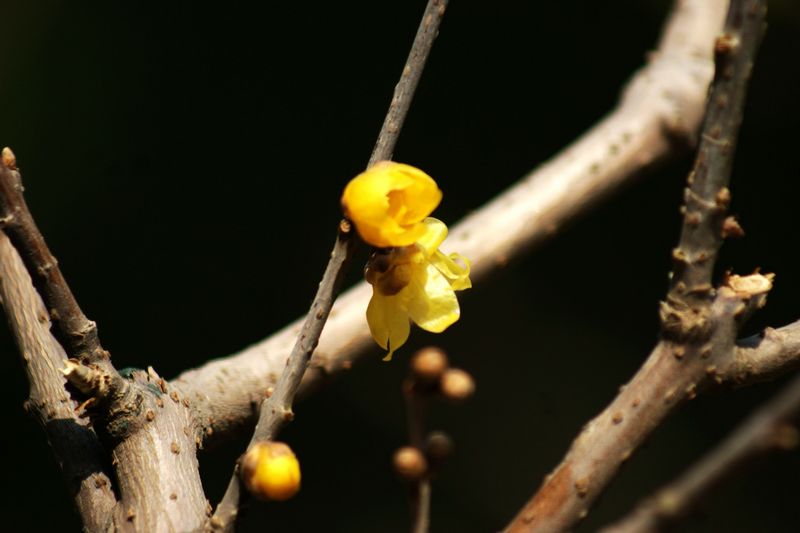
(9, 159)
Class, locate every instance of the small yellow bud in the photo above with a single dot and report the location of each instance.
(9, 159)
(429, 364)
(457, 384)
(271, 471)
(410, 463)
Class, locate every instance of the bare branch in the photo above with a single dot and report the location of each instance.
(770, 428)
(78, 332)
(707, 197)
(74, 444)
(764, 357)
(672, 374)
(699, 324)
(276, 410)
(407, 86)
(661, 105)
(154, 456)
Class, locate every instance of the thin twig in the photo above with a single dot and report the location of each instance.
(770, 428)
(416, 407)
(699, 324)
(277, 409)
(659, 112)
(407, 86)
(79, 334)
(707, 197)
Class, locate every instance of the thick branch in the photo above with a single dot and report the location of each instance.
(662, 104)
(74, 444)
(154, 456)
(155, 453)
(699, 324)
(771, 427)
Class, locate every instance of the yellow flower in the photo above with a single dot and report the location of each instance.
(270, 471)
(388, 202)
(414, 282)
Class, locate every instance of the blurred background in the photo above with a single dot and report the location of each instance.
(185, 160)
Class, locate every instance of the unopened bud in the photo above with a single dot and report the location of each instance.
(438, 447)
(270, 471)
(9, 159)
(456, 384)
(429, 364)
(410, 463)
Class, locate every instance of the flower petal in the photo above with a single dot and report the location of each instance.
(457, 275)
(388, 201)
(435, 232)
(388, 322)
(422, 195)
(430, 299)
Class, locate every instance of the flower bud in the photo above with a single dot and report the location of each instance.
(429, 364)
(9, 159)
(456, 384)
(438, 447)
(270, 471)
(410, 463)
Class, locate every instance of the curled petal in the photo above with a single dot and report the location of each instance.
(457, 275)
(431, 302)
(388, 322)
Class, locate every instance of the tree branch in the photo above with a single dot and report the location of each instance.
(276, 410)
(707, 197)
(661, 106)
(420, 488)
(78, 332)
(154, 456)
(409, 79)
(75, 445)
(772, 427)
(699, 324)
(764, 357)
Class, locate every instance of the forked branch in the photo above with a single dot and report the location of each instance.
(699, 323)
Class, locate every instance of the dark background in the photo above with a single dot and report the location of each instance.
(185, 161)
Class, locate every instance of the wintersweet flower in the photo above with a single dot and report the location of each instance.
(388, 203)
(416, 282)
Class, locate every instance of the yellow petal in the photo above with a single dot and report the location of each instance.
(435, 233)
(388, 201)
(388, 322)
(421, 195)
(457, 275)
(431, 302)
